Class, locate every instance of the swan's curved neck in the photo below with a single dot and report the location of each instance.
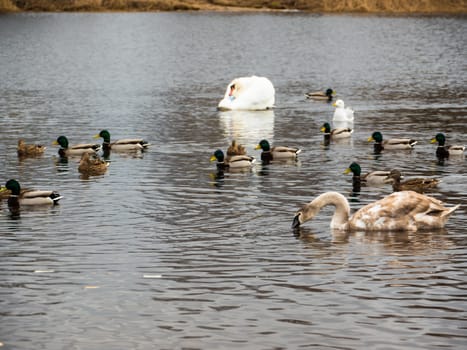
(340, 219)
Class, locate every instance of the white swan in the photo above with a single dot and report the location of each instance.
(400, 211)
(343, 116)
(248, 93)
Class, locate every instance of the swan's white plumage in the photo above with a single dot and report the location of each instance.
(248, 93)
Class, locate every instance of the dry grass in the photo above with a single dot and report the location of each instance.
(364, 6)
(7, 6)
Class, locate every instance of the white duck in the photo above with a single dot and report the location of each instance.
(248, 93)
(400, 211)
(343, 116)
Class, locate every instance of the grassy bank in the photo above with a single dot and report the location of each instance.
(319, 6)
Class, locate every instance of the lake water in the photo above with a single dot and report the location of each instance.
(161, 252)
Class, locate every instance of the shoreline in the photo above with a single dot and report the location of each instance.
(322, 7)
(251, 11)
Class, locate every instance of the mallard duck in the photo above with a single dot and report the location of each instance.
(92, 166)
(235, 149)
(339, 133)
(321, 95)
(248, 93)
(443, 150)
(277, 152)
(418, 184)
(400, 211)
(76, 150)
(342, 114)
(121, 145)
(5, 192)
(234, 163)
(391, 144)
(27, 150)
(374, 178)
(18, 197)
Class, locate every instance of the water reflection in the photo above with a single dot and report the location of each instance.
(248, 127)
(411, 243)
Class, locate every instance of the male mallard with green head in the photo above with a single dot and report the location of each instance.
(269, 153)
(19, 198)
(338, 133)
(76, 150)
(444, 151)
(321, 95)
(391, 144)
(121, 145)
(374, 178)
(238, 162)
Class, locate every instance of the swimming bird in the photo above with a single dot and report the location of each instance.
(239, 162)
(5, 192)
(248, 93)
(122, 145)
(28, 150)
(321, 95)
(374, 178)
(338, 133)
(391, 144)
(417, 184)
(235, 149)
(19, 198)
(444, 151)
(92, 166)
(400, 211)
(75, 150)
(269, 154)
(343, 116)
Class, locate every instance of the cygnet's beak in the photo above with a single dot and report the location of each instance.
(296, 222)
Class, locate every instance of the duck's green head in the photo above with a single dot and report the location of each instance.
(354, 168)
(218, 155)
(264, 145)
(62, 141)
(440, 138)
(104, 134)
(326, 128)
(376, 136)
(13, 186)
(329, 92)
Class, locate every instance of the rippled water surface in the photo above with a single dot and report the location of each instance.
(163, 252)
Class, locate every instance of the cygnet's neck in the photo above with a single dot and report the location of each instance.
(340, 219)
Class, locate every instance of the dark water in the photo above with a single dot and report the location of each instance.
(162, 253)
